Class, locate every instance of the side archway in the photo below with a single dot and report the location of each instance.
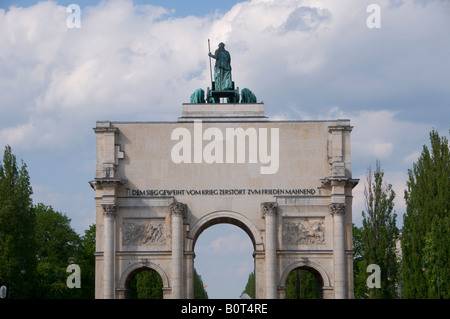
(315, 268)
(129, 273)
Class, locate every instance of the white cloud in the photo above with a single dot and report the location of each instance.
(411, 158)
(17, 135)
(122, 63)
(381, 134)
(138, 62)
(233, 242)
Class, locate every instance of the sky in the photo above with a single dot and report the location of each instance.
(139, 61)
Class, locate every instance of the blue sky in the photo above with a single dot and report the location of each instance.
(181, 8)
(139, 61)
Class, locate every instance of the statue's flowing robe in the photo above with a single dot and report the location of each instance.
(222, 70)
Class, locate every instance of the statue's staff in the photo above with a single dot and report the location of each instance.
(210, 68)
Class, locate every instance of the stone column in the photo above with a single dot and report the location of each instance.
(269, 211)
(177, 211)
(109, 213)
(190, 276)
(338, 211)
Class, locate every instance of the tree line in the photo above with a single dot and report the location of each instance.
(414, 261)
(37, 243)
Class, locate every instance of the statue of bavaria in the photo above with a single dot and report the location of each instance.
(222, 68)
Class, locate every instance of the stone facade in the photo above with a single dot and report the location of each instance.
(287, 184)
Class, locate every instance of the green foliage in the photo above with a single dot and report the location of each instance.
(17, 228)
(58, 245)
(146, 285)
(359, 273)
(250, 286)
(86, 260)
(36, 242)
(56, 242)
(199, 287)
(302, 284)
(426, 224)
(379, 235)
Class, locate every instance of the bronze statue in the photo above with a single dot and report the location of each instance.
(222, 68)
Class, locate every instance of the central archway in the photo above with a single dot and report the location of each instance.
(222, 227)
(224, 217)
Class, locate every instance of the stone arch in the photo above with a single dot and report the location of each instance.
(223, 217)
(317, 269)
(128, 274)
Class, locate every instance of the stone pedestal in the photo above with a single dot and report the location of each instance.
(223, 112)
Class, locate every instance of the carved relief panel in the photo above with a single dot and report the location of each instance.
(303, 231)
(148, 232)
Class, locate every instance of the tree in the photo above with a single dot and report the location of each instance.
(57, 245)
(302, 284)
(199, 287)
(359, 274)
(17, 228)
(426, 223)
(147, 285)
(380, 233)
(86, 260)
(250, 286)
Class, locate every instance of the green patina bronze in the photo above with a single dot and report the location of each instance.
(222, 87)
(222, 68)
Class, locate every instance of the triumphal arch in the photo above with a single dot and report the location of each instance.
(287, 184)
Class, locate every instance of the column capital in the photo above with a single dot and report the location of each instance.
(178, 209)
(337, 208)
(109, 209)
(269, 208)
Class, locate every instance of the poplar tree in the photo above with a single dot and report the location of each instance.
(250, 286)
(17, 228)
(199, 287)
(379, 233)
(359, 274)
(426, 224)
